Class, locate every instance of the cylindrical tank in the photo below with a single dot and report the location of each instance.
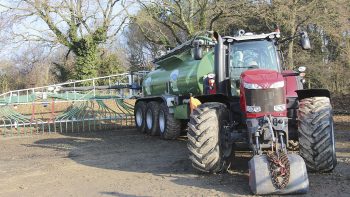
(179, 74)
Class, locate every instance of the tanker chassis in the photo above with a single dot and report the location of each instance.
(233, 90)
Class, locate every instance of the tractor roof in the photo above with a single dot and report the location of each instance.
(251, 36)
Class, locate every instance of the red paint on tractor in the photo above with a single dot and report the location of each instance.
(263, 78)
(290, 84)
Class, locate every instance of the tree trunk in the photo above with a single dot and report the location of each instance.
(290, 57)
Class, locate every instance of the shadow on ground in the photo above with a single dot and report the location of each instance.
(128, 150)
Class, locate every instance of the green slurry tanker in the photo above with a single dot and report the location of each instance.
(228, 91)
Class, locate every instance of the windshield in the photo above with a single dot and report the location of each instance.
(251, 55)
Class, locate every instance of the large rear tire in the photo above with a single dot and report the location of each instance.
(316, 134)
(152, 111)
(208, 149)
(139, 114)
(170, 128)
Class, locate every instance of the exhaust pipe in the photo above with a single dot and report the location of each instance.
(219, 65)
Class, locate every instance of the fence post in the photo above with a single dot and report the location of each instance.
(130, 83)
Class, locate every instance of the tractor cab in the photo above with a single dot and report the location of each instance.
(254, 70)
(248, 52)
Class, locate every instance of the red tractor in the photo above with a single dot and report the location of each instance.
(234, 90)
(258, 102)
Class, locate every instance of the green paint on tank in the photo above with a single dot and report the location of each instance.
(181, 72)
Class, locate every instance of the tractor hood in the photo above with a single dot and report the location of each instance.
(263, 78)
(262, 92)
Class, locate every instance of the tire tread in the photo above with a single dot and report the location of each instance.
(316, 134)
(203, 138)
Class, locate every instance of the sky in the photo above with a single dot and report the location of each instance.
(27, 26)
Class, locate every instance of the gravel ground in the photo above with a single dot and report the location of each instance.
(126, 163)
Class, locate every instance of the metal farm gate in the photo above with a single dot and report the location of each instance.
(103, 103)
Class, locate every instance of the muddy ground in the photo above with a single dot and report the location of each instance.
(126, 163)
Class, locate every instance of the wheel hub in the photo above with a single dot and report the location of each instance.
(139, 118)
(149, 119)
(161, 121)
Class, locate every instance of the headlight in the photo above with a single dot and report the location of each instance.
(252, 86)
(279, 84)
(279, 107)
(253, 109)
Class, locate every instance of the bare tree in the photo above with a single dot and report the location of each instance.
(80, 25)
(295, 15)
(171, 22)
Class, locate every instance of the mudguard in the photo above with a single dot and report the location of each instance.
(307, 93)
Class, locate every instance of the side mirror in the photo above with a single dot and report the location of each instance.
(305, 41)
(198, 50)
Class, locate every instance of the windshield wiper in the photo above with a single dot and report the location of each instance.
(247, 67)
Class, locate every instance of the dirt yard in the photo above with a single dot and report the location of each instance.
(126, 163)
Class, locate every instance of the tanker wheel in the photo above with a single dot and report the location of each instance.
(210, 150)
(140, 114)
(169, 127)
(152, 111)
(316, 134)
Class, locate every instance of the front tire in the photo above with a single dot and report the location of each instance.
(316, 134)
(209, 151)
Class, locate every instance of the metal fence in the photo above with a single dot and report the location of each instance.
(104, 103)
